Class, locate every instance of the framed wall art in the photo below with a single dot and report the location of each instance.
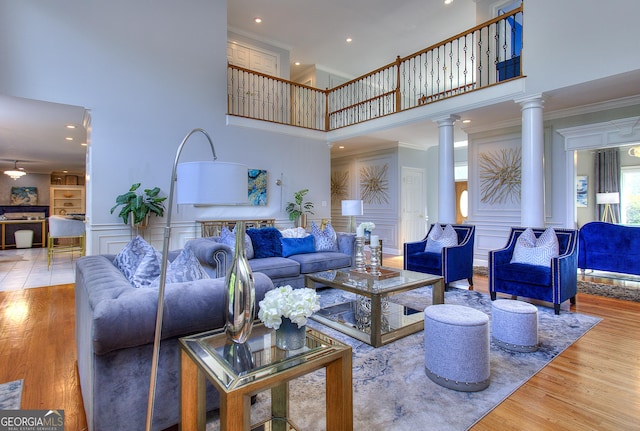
(257, 187)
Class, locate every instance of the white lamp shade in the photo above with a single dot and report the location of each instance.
(607, 198)
(208, 183)
(352, 207)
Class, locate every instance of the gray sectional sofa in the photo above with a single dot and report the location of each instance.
(281, 270)
(115, 325)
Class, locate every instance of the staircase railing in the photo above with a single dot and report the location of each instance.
(485, 55)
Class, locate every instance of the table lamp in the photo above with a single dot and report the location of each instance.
(352, 208)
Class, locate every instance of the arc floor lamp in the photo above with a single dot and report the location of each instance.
(205, 183)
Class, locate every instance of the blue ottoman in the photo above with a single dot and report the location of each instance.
(514, 325)
(456, 347)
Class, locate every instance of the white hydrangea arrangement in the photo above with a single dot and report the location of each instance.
(368, 225)
(294, 304)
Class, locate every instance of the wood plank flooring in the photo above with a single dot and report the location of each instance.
(593, 385)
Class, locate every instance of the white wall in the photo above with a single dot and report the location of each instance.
(149, 73)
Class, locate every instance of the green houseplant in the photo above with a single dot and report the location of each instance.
(137, 206)
(298, 209)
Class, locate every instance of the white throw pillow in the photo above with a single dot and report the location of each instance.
(536, 251)
(439, 238)
(295, 232)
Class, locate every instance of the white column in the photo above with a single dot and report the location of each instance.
(532, 184)
(446, 177)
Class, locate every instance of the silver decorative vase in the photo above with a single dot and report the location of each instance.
(289, 336)
(241, 294)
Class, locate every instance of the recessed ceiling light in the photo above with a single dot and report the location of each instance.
(466, 121)
(349, 40)
(84, 144)
(257, 20)
(341, 147)
(297, 63)
(70, 126)
(68, 138)
(448, 1)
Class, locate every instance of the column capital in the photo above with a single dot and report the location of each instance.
(531, 101)
(446, 120)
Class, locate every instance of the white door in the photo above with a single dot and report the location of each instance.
(413, 204)
(252, 95)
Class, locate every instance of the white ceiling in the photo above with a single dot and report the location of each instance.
(314, 32)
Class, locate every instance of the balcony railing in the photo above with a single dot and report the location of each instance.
(485, 55)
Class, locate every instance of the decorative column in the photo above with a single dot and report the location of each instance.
(532, 172)
(446, 176)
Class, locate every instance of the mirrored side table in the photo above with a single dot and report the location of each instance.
(239, 371)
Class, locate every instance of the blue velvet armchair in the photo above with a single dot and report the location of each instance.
(452, 263)
(554, 284)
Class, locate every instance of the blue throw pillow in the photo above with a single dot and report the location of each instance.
(266, 242)
(291, 246)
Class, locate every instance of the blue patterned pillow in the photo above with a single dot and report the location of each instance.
(536, 251)
(439, 238)
(266, 242)
(185, 267)
(139, 262)
(228, 237)
(291, 246)
(326, 240)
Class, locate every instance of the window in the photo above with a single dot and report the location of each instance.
(630, 195)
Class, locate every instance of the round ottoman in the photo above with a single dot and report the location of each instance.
(456, 347)
(514, 325)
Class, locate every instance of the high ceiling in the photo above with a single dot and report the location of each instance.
(314, 32)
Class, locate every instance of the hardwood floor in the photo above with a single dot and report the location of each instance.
(593, 385)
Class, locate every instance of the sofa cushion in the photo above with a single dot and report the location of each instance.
(228, 237)
(439, 238)
(276, 267)
(266, 242)
(326, 239)
(536, 251)
(321, 261)
(297, 245)
(139, 262)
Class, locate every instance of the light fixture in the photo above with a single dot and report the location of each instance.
(15, 173)
(634, 151)
(257, 20)
(349, 40)
(608, 199)
(448, 1)
(352, 208)
(205, 183)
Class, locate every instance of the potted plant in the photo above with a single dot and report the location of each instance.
(298, 210)
(137, 206)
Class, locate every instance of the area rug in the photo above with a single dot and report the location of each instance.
(391, 390)
(10, 395)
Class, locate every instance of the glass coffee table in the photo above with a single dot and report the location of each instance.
(239, 371)
(372, 316)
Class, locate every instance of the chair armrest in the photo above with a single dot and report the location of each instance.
(346, 243)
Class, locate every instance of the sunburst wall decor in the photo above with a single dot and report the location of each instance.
(500, 175)
(339, 186)
(374, 184)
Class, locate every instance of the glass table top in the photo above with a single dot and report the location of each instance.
(391, 279)
(235, 364)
